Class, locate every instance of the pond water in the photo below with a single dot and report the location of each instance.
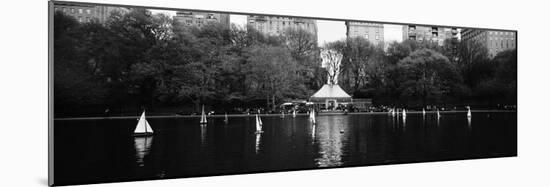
(92, 151)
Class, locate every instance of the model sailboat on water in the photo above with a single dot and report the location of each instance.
(312, 116)
(203, 117)
(143, 128)
(226, 120)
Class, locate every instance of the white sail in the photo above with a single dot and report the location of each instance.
(469, 113)
(226, 120)
(294, 113)
(203, 116)
(404, 113)
(148, 127)
(423, 112)
(438, 115)
(142, 125)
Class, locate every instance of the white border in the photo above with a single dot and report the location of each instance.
(23, 71)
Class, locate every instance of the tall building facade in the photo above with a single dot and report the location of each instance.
(275, 25)
(373, 32)
(85, 13)
(426, 33)
(494, 41)
(199, 19)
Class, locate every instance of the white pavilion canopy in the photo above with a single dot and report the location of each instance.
(330, 91)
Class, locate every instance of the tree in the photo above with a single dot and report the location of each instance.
(359, 64)
(332, 57)
(427, 75)
(303, 47)
(399, 50)
(272, 74)
(75, 81)
(501, 86)
(206, 50)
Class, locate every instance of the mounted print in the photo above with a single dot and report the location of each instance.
(146, 93)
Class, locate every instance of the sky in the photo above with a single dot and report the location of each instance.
(327, 31)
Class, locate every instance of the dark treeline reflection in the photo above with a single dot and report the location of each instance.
(139, 59)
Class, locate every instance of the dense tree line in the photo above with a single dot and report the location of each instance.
(416, 74)
(138, 59)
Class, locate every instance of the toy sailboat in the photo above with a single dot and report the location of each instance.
(143, 128)
(203, 117)
(226, 120)
(312, 116)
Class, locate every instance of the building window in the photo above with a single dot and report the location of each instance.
(87, 19)
(79, 19)
(88, 11)
(72, 10)
(377, 37)
(367, 36)
(80, 11)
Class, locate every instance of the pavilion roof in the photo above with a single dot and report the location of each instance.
(330, 91)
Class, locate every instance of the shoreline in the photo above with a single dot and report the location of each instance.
(266, 115)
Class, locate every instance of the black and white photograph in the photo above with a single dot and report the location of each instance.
(143, 93)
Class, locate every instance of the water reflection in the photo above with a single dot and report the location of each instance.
(258, 138)
(331, 133)
(313, 133)
(404, 122)
(203, 135)
(143, 147)
(469, 122)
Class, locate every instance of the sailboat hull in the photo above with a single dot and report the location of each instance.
(141, 134)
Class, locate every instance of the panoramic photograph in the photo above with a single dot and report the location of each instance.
(143, 94)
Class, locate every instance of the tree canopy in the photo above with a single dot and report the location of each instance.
(138, 60)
